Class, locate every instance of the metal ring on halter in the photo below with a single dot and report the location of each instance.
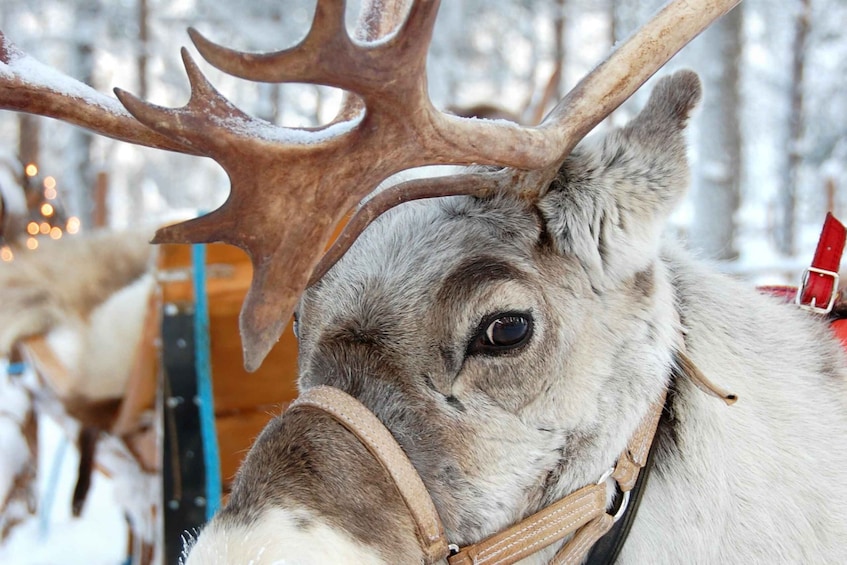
(605, 476)
(626, 494)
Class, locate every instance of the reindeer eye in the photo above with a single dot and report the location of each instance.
(501, 333)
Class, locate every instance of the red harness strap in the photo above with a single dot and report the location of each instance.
(819, 289)
(820, 281)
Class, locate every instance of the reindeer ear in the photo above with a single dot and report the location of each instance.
(610, 200)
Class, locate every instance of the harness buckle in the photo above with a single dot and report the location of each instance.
(812, 306)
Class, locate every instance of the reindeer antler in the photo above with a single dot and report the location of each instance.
(290, 187)
(28, 86)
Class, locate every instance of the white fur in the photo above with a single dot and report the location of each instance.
(88, 295)
(99, 351)
(780, 449)
(277, 539)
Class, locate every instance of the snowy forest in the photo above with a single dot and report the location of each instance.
(766, 146)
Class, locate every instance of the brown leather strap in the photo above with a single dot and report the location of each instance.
(625, 473)
(354, 416)
(688, 368)
(633, 459)
(576, 549)
(538, 531)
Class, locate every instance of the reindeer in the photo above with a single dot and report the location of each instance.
(78, 307)
(489, 374)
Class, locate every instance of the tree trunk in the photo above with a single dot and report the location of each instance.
(143, 48)
(267, 107)
(716, 190)
(553, 89)
(79, 170)
(29, 141)
(786, 235)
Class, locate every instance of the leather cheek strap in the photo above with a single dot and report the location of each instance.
(626, 471)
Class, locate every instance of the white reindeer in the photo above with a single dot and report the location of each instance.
(512, 350)
(517, 342)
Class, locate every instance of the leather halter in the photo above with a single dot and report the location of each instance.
(581, 513)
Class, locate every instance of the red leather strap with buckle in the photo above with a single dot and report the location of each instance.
(821, 279)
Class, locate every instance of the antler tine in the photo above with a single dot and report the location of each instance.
(363, 68)
(192, 125)
(305, 62)
(368, 29)
(614, 80)
(28, 86)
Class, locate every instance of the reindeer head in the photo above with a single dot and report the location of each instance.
(511, 347)
(511, 339)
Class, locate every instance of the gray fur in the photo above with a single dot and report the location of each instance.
(496, 438)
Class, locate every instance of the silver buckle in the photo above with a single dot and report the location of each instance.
(813, 306)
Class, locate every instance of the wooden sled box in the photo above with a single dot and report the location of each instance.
(243, 402)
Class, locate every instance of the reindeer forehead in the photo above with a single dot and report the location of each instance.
(419, 247)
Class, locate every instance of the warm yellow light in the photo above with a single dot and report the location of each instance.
(47, 209)
(73, 225)
(32, 228)
(6, 254)
(31, 243)
(56, 233)
(44, 228)
(49, 182)
(50, 193)
(31, 170)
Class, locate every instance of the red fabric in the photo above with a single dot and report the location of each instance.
(787, 293)
(828, 258)
(840, 329)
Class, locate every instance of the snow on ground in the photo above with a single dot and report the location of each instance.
(98, 537)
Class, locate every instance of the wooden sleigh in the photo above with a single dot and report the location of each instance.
(243, 402)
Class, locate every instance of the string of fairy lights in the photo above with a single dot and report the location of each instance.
(46, 215)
